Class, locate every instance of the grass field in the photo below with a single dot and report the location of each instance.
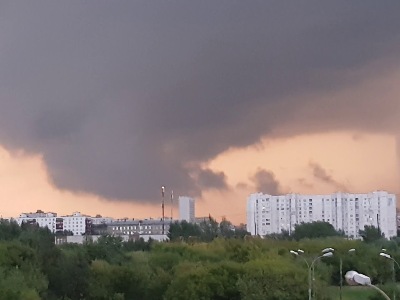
(351, 293)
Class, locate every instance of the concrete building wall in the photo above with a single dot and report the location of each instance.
(76, 223)
(40, 218)
(101, 220)
(142, 227)
(267, 214)
(81, 239)
(187, 209)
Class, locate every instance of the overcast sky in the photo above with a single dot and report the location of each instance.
(121, 97)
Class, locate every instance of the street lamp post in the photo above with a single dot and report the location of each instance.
(310, 267)
(341, 271)
(355, 278)
(326, 250)
(385, 255)
(326, 254)
(389, 257)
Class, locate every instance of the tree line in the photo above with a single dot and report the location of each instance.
(206, 261)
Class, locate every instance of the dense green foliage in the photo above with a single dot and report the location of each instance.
(314, 230)
(371, 234)
(205, 231)
(217, 264)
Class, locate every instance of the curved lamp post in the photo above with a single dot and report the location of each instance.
(296, 253)
(310, 267)
(327, 250)
(326, 254)
(352, 250)
(355, 278)
(387, 256)
(324, 251)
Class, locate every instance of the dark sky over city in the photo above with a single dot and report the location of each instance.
(117, 98)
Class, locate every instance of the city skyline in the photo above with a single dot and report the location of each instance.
(66, 202)
(103, 103)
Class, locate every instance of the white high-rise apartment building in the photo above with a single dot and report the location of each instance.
(267, 214)
(186, 209)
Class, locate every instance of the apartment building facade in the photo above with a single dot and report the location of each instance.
(79, 224)
(267, 214)
(76, 223)
(41, 218)
(148, 228)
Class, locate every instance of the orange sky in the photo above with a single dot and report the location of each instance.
(363, 162)
(120, 101)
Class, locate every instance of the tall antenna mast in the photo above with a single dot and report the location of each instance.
(162, 207)
(172, 204)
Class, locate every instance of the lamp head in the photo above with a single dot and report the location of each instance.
(385, 255)
(328, 250)
(328, 254)
(355, 278)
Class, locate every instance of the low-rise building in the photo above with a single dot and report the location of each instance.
(76, 224)
(139, 228)
(98, 219)
(79, 224)
(41, 218)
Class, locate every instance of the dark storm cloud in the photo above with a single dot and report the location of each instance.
(266, 182)
(322, 174)
(208, 179)
(121, 97)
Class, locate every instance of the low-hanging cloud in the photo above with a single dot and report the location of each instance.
(123, 97)
(322, 174)
(266, 182)
(208, 179)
